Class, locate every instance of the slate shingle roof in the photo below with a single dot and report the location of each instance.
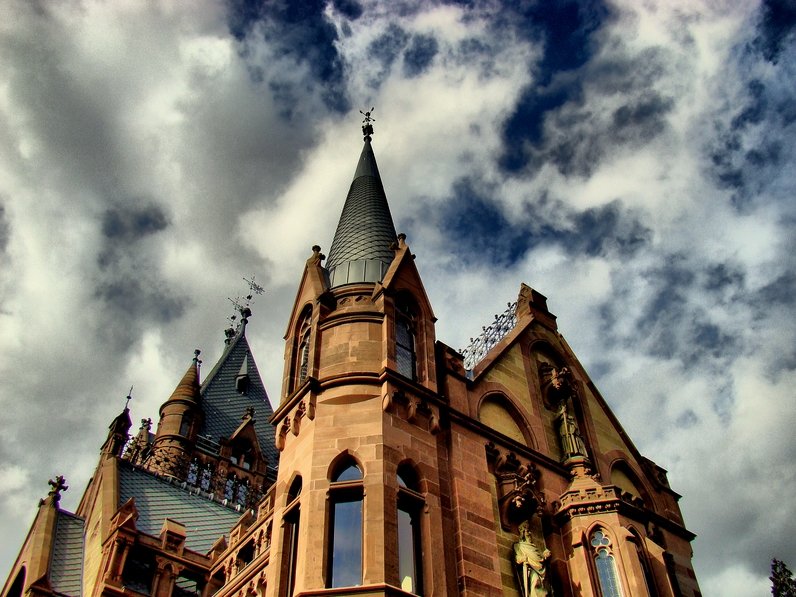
(156, 499)
(360, 250)
(66, 565)
(224, 406)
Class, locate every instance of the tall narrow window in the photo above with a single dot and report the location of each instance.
(206, 477)
(303, 348)
(185, 425)
(290, 537)
(405, 339)
(193, 472)
(638, 547)
(345, 526)
(410, 505)
(605, 564)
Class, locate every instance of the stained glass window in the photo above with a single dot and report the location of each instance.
(606, 565)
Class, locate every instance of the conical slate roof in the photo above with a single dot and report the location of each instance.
(361, 247)
(188, 388)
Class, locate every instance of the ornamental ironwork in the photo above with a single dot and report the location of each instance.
(490, 336)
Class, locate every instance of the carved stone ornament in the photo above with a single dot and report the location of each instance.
(558, 385)
(282, 435)
(295, 425)
(519, 497)
(530, 564)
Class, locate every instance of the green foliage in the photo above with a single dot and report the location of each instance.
(782, 582)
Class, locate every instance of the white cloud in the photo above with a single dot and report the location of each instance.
(107, 107)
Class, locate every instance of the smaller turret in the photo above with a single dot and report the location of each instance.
(179, 421)
(117, 433)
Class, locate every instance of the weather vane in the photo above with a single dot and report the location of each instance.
(129, 397)
(243, 305)
(367, 127)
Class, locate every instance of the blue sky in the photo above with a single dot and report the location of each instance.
(634, 162)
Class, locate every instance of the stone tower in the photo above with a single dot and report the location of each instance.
(394, 465)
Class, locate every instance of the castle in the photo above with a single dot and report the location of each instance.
(393, 464)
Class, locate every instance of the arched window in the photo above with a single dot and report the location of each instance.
(185, 425)
(638, 548)
(405, 358)
(242, 492)
(345, 525)
(229, 488)
(410, 506)
(206, 478)
(290, 537)
(605, 564)
(193, 473)
(302, 366)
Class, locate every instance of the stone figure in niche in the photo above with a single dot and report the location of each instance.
(530, 564)
(558, 385)
(571, 440)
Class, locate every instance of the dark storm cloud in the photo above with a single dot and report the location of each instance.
(350, 9)
(567, 123)
(566, 31)
(419, 54)
(126, 224)
(607, 229)
(777, 21)
(491, 236)
(385, 50)
(744, 161)
(130, 286)
(76, 127)
(301, 31)
(674, 322)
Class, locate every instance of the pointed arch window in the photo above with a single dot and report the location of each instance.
(242, 492)
(304, 338)
(193, 472)
(405, 357)
(290, 536)
(206, 477)
(344, 529)
(638, 547)
(410, 507)
(605, 564)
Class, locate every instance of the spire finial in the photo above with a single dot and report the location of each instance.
(129, 397)
(243, 307)
(367, 127)
(58, 485)
(196, 354)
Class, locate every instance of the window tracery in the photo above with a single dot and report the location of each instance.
(605, 564)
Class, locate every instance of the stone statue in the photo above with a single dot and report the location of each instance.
(531, 566)
(571, 440)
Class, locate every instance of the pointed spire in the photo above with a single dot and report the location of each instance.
(360, 250)
(188, 388)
